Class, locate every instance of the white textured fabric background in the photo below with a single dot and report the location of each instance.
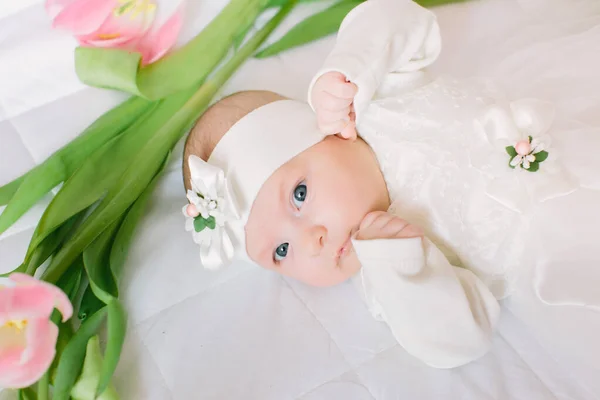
(244, 333)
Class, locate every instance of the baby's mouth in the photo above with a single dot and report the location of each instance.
(344, 249)
(346, 246)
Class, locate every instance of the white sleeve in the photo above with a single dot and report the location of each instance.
(441, 314)
(378, 37)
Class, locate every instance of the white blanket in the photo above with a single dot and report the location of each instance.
(244, 333)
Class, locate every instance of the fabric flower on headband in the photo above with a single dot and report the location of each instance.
(532, 171)
(210, 209)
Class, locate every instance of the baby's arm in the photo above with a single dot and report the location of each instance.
(441, 314)
(376, 38)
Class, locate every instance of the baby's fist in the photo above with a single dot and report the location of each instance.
(332, 98)
(383, 225)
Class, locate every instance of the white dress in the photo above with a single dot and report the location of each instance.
(442, 144)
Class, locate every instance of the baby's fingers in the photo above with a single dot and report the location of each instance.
(332, 128)
(342, 89)
(383, 225)
(371, 225)
(329, 102)
(327, 117)
(349, 131)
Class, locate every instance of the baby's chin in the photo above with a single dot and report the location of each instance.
(324, 281)
(328, 278)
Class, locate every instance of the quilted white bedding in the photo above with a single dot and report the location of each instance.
(244, 333)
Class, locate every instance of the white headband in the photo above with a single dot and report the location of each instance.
(224, 188)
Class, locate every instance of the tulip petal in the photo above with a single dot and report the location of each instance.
(84, 16)
(158, 41)
(38, 355)
(118, 30)
(8, 372)
(41, 335)
(20, 368)
(123, 42)
(60, 300)
(54, 7)
(24, 303)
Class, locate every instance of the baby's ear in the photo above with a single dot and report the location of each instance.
(196, 144)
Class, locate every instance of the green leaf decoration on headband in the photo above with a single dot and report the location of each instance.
(200, 223)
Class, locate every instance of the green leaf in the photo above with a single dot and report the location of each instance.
(117, 327)
(8, 191)
(184, 68)
(122, 193)
(65, 333)
(312, 28)
(27, 394)
(89, 305)
(239, 38)
(199, 224)
(511, 151)
(96, 259)
(102, 168)
(70, 363)
(210, 222)
(85, 387)
(51, 242)
(43, 387)
(71, 280)
(60, 165)
(534, 166)
(122, 241)
(119, 68)
(541, 156)
(530, 139)
(513, 167)
(39, 181)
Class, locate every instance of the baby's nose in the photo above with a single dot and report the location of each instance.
(314, 239)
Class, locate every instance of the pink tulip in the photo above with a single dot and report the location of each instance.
(27, 336)
(123, 24)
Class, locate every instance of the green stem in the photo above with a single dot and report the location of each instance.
(204, 52)
(43, 385)
(210, 88)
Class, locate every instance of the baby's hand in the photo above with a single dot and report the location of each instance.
(383, 225)
(332, 98)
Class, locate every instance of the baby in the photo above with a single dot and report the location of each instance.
(356, 184)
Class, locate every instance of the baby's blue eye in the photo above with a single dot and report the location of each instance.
(281, 251)
(300, 193)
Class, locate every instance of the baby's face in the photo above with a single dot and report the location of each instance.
(305, 214)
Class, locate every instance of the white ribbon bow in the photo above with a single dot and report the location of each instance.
(517, 188)
(212, 198)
